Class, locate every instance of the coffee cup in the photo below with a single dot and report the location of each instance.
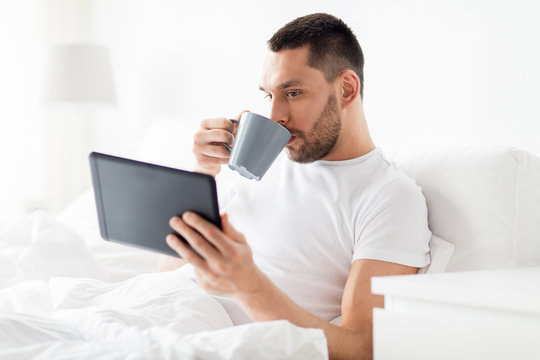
(258, 142)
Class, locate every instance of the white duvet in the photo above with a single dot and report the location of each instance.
(65, 294)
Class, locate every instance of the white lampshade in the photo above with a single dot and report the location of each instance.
(79, 74)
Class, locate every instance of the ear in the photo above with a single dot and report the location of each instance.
(349, 87)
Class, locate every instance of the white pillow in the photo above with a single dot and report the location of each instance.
(55, 250)
(441, 251)
(120, 261)
(484, 201)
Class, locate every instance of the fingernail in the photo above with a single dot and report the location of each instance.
(170, 239)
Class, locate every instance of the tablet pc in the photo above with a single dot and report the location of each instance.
(135, 200)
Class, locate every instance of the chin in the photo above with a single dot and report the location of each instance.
(293, 156)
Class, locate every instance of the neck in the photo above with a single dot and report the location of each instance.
(355, 139)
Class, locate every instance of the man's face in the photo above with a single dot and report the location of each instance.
(303, 102)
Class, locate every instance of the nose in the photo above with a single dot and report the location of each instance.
(279, 111)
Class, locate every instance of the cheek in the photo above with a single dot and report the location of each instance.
(306, 113)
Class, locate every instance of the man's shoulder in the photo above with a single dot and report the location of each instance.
(392, 185)
(396, 181)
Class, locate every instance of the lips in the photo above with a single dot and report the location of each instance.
(291, 140)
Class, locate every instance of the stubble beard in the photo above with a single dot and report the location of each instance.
(322, 139)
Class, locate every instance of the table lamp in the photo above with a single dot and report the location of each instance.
(79, 74)
(79, 78)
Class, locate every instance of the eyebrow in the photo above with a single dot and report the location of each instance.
(285, 85)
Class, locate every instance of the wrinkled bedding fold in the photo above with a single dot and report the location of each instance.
(58, 301)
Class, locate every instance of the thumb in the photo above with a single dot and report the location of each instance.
(242, 113)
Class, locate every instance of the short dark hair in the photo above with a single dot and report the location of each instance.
(333, 47)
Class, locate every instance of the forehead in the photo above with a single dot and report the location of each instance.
(288, 66)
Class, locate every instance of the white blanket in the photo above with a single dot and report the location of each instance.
(58, 301)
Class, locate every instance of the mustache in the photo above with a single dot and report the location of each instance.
(295, 132)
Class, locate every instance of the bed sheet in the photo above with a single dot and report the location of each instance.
(65, 293)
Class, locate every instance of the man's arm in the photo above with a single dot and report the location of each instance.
(353, 339)
(226, 267)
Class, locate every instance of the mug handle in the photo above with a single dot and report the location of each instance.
(227, 145)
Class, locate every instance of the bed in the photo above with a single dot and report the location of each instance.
(68, 294)
(65, 293)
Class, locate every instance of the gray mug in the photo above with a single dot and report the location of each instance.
(258, 141)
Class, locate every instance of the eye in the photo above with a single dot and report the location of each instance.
(293, 94)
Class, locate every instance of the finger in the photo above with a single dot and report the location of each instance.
(185, 252)
(217, 123)
(203, 137)
(229, 230)
(209, 231)
(212, 150)
(197, 242)
(206, 161)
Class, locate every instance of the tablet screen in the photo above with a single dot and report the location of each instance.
(135, 200)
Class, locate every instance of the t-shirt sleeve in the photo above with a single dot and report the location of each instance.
(392, 225)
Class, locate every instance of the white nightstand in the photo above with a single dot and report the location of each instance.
(491, 315)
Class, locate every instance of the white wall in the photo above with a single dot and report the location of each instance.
(20, 182)
(67, 130)
(438, 73)
(39, 149)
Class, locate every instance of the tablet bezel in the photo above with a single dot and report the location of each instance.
(116, 183)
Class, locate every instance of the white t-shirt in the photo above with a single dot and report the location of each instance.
(307, 223)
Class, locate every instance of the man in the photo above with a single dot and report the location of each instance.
(321, 223)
